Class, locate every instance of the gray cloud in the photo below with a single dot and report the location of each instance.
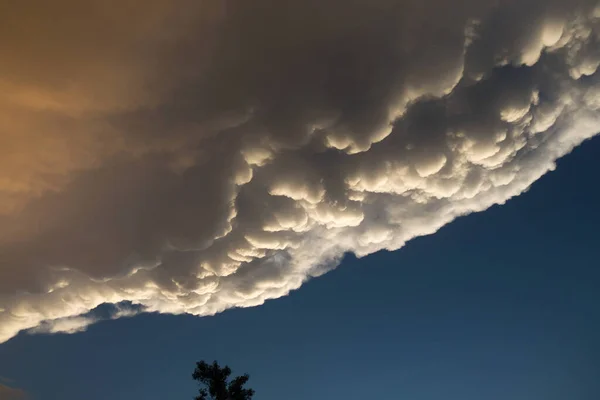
(213, 155)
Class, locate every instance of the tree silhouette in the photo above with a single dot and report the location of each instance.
(217, 385)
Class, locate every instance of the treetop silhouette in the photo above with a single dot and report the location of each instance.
(217, 385)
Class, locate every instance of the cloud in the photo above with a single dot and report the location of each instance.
(212, 155)
(80, 323)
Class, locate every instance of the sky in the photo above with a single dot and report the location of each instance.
(176, 167)
(496, 305)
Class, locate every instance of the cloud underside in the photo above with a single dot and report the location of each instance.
(209, 155)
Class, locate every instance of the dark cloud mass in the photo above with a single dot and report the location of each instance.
(193, 156)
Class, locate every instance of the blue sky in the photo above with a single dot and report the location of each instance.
(186, 162)
(497, 305)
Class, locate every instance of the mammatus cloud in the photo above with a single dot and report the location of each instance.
(216, 154)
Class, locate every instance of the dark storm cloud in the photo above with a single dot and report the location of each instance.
(212, 155)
